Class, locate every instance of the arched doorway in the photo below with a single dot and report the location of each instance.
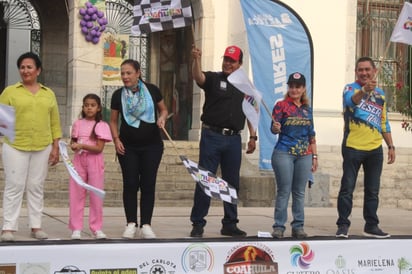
(172, 50)
(19, 32)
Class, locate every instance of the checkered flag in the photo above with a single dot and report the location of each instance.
(158, 15)
(212, 185)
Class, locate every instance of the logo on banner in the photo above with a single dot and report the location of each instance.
(340, 264)
(157, 266)
(8, 268)
(197, 258)
(377, 264)
(33, 268)
(301, 255)
(68, 269)
(114, 271)
(249, 259)
(268, 20)
(404, 266)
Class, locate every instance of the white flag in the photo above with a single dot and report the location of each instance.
(7, 121)
(402, 32)
(253, 98)
(73, 173)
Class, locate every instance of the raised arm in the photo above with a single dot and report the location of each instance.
(197, 73)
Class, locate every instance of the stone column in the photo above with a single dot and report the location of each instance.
(85, 66)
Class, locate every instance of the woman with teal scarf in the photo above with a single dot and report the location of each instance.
(138, 144)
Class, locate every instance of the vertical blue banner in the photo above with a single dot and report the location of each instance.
(279, 44)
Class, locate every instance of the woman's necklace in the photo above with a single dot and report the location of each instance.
(135, 88)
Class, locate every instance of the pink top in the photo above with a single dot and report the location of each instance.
(82, 130)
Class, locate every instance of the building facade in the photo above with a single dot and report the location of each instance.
(74, 66)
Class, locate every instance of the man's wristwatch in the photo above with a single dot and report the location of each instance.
(391, 147)
(254, 138)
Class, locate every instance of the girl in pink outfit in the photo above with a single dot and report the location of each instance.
(89, 135)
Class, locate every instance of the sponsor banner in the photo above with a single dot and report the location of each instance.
(279, 44)
(267, 256)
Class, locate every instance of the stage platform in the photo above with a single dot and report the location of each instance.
(174, 252)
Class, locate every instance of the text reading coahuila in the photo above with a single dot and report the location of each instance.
(247, 269)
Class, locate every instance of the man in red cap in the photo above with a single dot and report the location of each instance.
(220, 141)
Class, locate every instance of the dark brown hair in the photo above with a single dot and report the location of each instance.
(365, 59)
(99, 114)
(29, 55)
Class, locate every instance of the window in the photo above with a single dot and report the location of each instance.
(376, 20)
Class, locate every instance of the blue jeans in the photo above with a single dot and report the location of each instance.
(371, 162)
(292, 173)
(216, 149)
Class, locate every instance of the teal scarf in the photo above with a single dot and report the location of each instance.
(137, 106)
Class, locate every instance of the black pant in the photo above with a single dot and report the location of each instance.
(139, 169)
(371, 161)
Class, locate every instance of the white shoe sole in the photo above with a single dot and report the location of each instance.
(369, 235)
(343, 236)
(146, 232)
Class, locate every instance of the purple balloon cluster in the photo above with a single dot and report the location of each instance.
(93, 22)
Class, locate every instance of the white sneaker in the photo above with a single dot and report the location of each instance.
(100, 235)
(7, 236)
(39, 235)
(130, 231)
(76, 235)
(146, 232)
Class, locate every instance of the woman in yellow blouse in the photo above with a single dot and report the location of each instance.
(35, 146)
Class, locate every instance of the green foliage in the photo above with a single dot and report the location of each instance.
(403, 105)
(393, 78)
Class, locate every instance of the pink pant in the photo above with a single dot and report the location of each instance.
(90, 167)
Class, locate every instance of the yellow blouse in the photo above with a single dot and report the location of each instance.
(37, 117)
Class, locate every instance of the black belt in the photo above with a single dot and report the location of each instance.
(221, 130)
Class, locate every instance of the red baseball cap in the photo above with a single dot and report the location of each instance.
(234, 53)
